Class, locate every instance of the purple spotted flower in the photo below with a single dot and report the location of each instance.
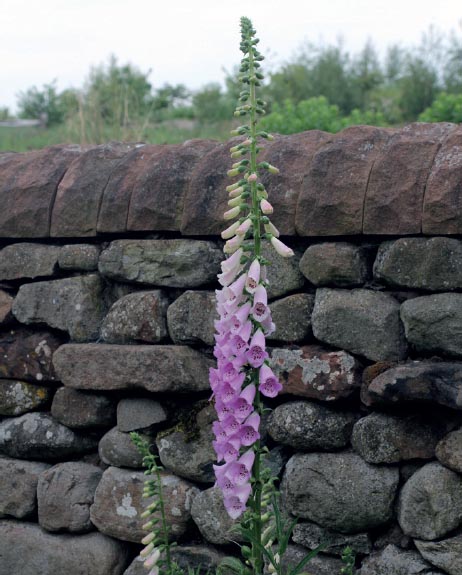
(269, 383)
(256, 353)
(260, 310)
(253, 277)
(240, 350)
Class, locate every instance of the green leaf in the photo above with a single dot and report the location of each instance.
(297, 569)
(284, 540)
(233, 564)
(277, 516)
(268, 553)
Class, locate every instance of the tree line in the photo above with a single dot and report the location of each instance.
(323, 86)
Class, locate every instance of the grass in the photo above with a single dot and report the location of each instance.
(171, 132)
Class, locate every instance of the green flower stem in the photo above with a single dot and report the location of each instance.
(165, 532)
(257, 521)
(253, 159)
(257, 557)
(161, 534)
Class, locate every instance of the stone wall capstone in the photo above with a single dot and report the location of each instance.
(108, 263)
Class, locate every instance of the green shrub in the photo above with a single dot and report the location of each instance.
(445, 108)
(312, 114)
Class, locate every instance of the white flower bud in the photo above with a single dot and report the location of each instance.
(236, 192)
(152, 559)
(281, 248)
(270, 228)
(149, 537)
(231, 231)
(233, 202)
(233, 244)
(147, 550)
(232, 213)
(244, 227)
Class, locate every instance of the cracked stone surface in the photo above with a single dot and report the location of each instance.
(156, 368)
(72, 304)
(18, 397)
(27, 261)
(433, 264)
(430, 502)
(445, 554)
(337, 264)
(307, 426)
(361, 321)
(339, 491)
(118, 504)
(384, 438)
(18, 487)
(395, 561)
(65, 493)
(82, 257)
(165, 263)
(26, 549)
(212, 519)
(39, 436)
(137, 317)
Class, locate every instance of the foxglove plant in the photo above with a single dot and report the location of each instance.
(243, 374)
(348, 558)
(156, 552)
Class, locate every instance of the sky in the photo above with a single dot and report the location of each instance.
(191, 41)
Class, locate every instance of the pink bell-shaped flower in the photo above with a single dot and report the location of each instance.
(240, 317)
(269, 383)
(253, 277)
(248, 433)
(256, 354)
(239, 471)
(260, 310)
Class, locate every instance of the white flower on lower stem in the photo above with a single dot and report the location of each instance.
(270, 228)
(244, 227)
(232, 213)
(147, 550)
(277, 560)
(281, 248)
(152, 559)
(233, 244)
(231, 231)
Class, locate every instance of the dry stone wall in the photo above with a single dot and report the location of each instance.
(108, 260)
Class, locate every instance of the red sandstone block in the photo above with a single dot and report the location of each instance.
(28, 184)
(332, 198)
(75, 211)
(158, 194)
(442, 209)
(206, 198)
(113, 213)
(397, 183)
(292, 155)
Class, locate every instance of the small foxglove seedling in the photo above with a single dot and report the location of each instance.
(156, 554)
(348, 558)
